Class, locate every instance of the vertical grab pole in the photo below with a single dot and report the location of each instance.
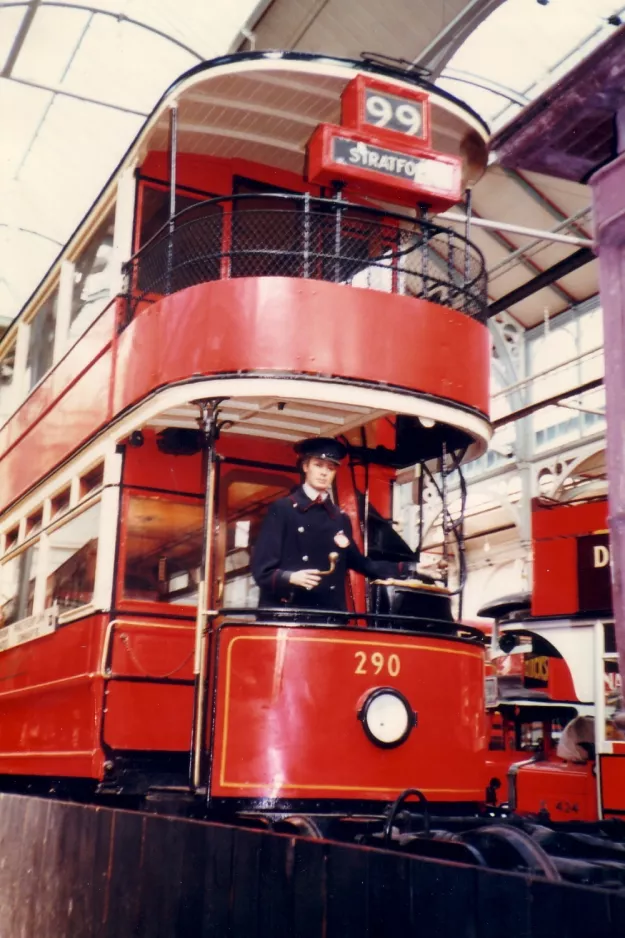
(467, 232)
(306, 235)
(600, 708)
(422, 213)
(173, 155)
(419, 468)
(444, 500)
(459, 532)
(338, 224)
(205, 613)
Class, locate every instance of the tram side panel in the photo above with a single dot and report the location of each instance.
(51, 700)
(567, 791)
(67, 408)
(149, 654)
(291, 325)
(149, 687)
(292, 722)
(94, 690)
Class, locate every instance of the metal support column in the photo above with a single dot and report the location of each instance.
(608, 186)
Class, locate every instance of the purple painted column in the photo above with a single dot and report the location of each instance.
(608, 185)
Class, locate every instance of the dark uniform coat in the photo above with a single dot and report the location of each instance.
(299, 534)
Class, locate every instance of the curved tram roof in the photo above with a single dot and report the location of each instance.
(271, 102)
(264, 107)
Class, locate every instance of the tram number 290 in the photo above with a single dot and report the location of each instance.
(394, 113)
(375, 662)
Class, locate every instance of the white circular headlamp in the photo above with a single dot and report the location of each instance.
(387, 717)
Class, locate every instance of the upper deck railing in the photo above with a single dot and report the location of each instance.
(289, 235)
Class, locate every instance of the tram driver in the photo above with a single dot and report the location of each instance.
(305, 545)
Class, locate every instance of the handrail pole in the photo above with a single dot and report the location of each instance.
(205, 612)
(306, 235)
(171, 224)
(425, 250)
(338, 224)
(467, 232)
(445, 511)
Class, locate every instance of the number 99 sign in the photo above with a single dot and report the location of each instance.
(394, 113)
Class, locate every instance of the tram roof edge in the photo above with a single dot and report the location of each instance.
(204, 69)
(357, 65)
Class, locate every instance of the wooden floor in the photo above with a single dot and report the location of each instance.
(70, 871)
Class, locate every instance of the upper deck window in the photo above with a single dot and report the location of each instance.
(41, 340)
(7, 385)
(92, 281)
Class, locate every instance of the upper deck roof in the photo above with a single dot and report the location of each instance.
(264, 106)
(274, 101)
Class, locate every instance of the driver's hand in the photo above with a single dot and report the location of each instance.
(307, 579)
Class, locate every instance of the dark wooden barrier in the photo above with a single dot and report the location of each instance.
(73, 871)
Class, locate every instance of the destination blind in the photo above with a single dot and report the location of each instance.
(421, 171)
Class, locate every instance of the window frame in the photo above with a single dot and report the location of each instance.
(53, 295)
(70, 330)
(107, 493)
(229, 474)
(14, 555)
(56, 525)
(146, 606)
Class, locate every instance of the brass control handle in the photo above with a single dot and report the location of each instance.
(333, 557)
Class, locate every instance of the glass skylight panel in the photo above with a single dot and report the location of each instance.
(52, 39)
(145, 64)
(56, 153)
(10, 22)
(22, 110)
(67, 169)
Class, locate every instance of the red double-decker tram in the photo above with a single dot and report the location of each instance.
(261, 269)
(265, 267)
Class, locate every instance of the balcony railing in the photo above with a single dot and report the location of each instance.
(285, 235)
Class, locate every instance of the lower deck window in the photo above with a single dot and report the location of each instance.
(163, 550)
(247, 501)
(72, 556)
(18, 585)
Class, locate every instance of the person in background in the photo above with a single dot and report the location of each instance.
(577, 743)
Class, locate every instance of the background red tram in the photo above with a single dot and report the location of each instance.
(554, 660)
(261, 290)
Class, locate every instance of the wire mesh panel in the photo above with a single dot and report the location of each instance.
(279, 235)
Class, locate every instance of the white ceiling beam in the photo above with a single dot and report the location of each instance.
(294, 85)
(249, 107)
(210, 130)
(261, 432)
